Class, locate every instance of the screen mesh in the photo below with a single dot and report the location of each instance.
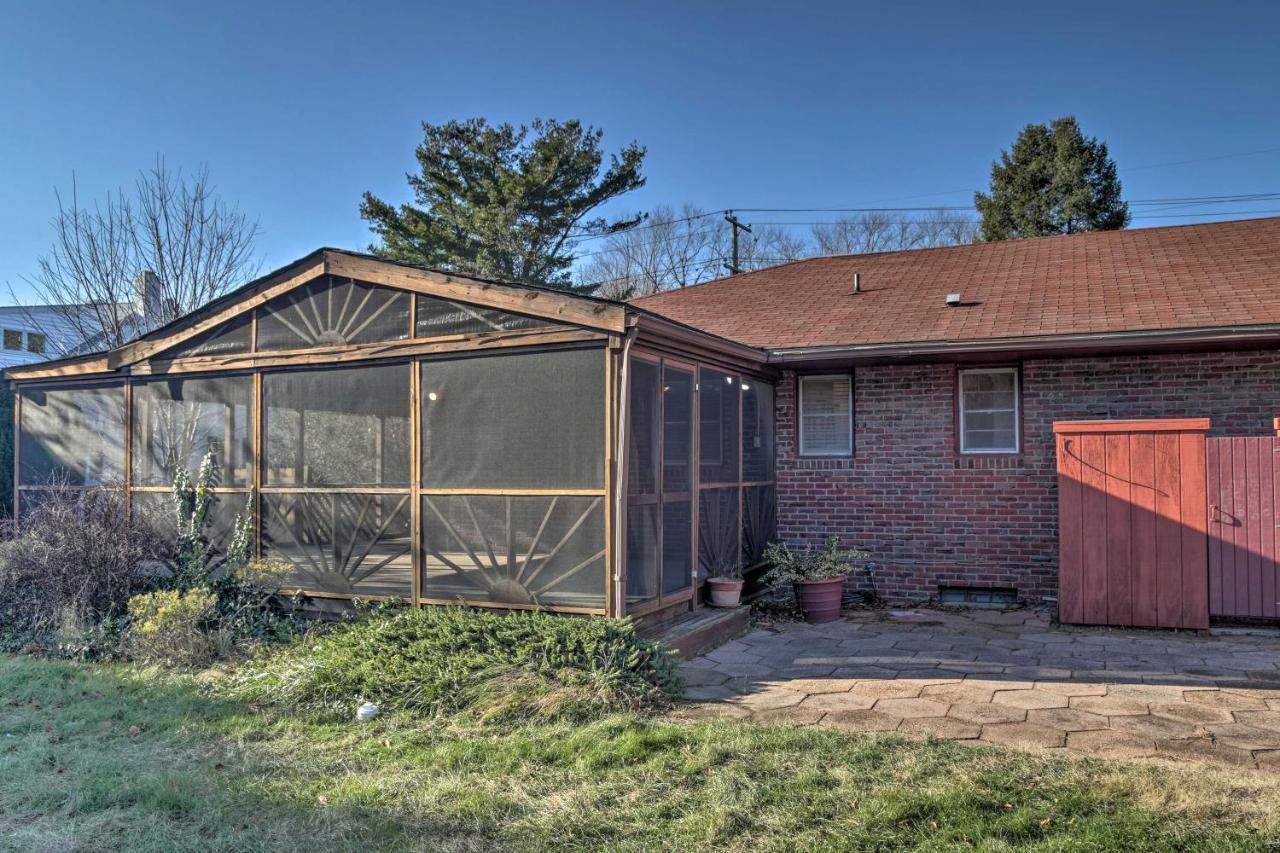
(642, 441)
(233, 336)
(158, 509)
(677, 546)
(338, 426)
(528, 420)
(514, 550)
(177, 421)
(759, 525)
(348, 544)
(677, 429)
(757, 430)
(442, 317)
(718, 426)
(72, 433)
(642, 551)
(717, 530)
(333, 311)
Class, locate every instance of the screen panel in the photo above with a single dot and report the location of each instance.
(717, 530)
(177, 421)
(346, 544)
(158, 509)
(677, 429)
(333, 311)
(718, 426)
(72, 433)
(546, 550)
(757, 430)
(677, 546)
(338, 426)
(233, 336)
(642, 551)
(524, 420)
(759, 523)
(642, 437)
(443, 317)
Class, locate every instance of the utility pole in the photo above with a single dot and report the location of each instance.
(733, 268)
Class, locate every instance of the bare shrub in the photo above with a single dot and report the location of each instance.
(74, 560)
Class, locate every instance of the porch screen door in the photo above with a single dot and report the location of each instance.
(660, 483)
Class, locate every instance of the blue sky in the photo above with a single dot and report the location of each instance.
(297, 108)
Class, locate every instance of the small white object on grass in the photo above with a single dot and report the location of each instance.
(366, 712)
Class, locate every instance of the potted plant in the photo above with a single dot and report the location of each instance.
(817, 575)
(725, 584)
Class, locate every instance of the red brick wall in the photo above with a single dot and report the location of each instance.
(930, 520)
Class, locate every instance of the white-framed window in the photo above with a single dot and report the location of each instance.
(826, 415)
(990, 410)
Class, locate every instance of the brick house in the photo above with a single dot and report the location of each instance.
(918, 389)
(434, 436)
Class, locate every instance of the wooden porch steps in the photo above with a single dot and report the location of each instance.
(699, 631)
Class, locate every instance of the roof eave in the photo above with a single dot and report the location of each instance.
(1046, 345)
(650, 323)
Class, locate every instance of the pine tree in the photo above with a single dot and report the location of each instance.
(1055, 180)
(504, 201)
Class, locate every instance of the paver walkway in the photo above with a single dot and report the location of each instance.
(1007, 678)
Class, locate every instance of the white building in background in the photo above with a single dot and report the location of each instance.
(32, 333)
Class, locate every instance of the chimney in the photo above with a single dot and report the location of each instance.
(149, 299)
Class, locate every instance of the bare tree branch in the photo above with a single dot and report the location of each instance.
(671, 249)
(176, 228)
(877, 231)
(678, 248)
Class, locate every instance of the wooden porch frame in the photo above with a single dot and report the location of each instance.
(580, 322)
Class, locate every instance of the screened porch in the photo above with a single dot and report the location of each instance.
(390, 439)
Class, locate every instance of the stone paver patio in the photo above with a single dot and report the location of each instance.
(1006, 678)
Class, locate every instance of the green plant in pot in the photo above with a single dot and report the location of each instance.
(725, 585)
(817, 575)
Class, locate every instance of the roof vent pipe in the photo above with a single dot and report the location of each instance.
(857, 282)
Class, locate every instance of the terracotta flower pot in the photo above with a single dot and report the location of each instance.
(820, 600)
(725, 592)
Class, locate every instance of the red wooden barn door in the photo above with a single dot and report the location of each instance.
(1243, 482)
(1133, 546)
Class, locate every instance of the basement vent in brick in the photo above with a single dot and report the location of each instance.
(982, 598)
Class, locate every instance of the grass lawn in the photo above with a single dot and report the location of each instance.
(109, 757)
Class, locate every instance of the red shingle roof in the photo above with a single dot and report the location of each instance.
(1179, 277)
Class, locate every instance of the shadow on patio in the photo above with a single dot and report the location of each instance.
(1006, 678)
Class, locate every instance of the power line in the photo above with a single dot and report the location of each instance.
(788, 223)
(1210, 199)
(582, 237)
(1202, 159)
(687, 266)
(717, 259)
(1175, 200)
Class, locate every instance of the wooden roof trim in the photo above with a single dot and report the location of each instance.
(560, 307)
(138, 350)
(1147, 425)
(676, 339)
(66, 368)
(320, 357)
